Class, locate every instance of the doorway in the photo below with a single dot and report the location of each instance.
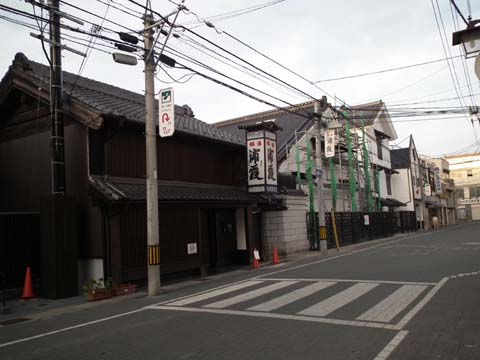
(222, 237)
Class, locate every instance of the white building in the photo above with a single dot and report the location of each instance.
(465, 171)
(407, 181)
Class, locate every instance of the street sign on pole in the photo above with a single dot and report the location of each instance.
(166, 125)
(329, 143)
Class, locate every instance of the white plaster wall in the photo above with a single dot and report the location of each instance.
(89, 269)
(285, 229)
(401, 189)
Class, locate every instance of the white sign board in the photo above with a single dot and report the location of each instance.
(271, 159)
(469, 201)
(256, 162)
(366, 219)
(191, 248)
(166, 112)
(329, 143)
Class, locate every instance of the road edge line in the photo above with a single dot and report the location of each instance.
(68, 328)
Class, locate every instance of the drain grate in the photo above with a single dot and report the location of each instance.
(13, 321)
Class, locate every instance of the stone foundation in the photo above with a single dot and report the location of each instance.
(287, 229)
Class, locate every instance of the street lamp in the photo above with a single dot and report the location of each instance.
(469, 38)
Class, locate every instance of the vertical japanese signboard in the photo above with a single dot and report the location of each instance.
(262, 161)
(438, 181)
(166, 125)
(329, 143)
(426, 182)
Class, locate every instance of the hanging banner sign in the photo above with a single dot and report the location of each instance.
(329, 143)
(438, 182)
(426, 183)
(166, 125)
(271, 158)
(262, 161)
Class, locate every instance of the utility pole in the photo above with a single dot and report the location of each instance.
(56, 103)
(151, 163)
(320, 194)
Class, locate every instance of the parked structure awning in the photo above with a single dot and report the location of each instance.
(391, 202)
(113, 189)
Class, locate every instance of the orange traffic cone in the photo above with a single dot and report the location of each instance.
(255, 263)
(275, 259)
(27, 287)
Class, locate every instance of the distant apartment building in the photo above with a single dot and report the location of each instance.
(438, 191)
(465, 170)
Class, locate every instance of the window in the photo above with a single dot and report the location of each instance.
(474, 191)
(460, 193)
(389, 184)
(313, 146)
(469, 173)
(379, 148)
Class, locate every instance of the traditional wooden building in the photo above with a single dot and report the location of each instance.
(205, 212)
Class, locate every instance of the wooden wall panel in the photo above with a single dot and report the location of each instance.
(179, 158)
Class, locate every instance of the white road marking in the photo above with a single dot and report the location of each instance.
(69, 328)
(392, 305)
(421, 304)
(291, 297)
(391, 346)
(354, 281)
(298, 266)
(214, 293)
(273, 316)
(249, 295)
(335, 302)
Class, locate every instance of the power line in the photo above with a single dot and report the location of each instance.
(384, 71)
(231, 14)
(236, 65)
(429, 101)
(98, 16)
(242, 92)
(459, 12)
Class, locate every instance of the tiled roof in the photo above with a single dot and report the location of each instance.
(110, 100)
(290, 122)
(121, 189)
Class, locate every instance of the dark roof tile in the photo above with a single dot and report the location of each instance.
(119, 189)
(112, 100)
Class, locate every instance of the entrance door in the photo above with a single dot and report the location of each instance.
(225, 234)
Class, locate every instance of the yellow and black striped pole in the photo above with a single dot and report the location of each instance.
(154, 255)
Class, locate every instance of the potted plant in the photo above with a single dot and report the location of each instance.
(124, 289)
(98, 290)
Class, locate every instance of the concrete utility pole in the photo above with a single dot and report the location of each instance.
(56, 102)
(151, 162)
(320, 195)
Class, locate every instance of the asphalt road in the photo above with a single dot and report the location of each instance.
(410, 297)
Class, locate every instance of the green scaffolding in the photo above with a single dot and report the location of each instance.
(352, 183)
(366, 165)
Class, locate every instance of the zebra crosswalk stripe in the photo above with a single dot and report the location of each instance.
(291, 296)
(327, 306)
(392, 305)
(249, 295)
(214, 293)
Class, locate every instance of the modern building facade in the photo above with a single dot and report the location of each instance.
(465, 170)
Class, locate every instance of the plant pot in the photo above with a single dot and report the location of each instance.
(99, 294)
(124, 289)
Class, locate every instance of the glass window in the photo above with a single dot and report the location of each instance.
(379, 148)
(389, 184)
(460, 193)
(474, 191)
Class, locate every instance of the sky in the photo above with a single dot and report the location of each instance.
(316, 39)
